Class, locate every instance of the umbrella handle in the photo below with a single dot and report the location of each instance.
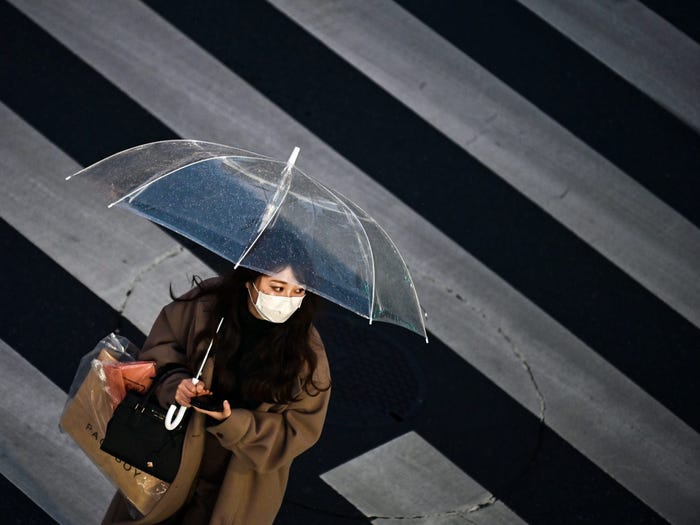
(169, 423)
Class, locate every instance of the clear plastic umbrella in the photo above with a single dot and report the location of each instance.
(259, 212)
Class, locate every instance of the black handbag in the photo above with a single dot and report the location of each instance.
(136, 434)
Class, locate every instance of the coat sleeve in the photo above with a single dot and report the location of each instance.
(266, 441)
(167, 345)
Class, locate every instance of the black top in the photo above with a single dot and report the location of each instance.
(215, 458)
(245, 361)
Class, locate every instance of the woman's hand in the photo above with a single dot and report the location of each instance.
(219, 416)
(186, 390)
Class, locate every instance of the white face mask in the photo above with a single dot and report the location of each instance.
(275, 308)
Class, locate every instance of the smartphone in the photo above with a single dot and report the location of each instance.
(210, 403)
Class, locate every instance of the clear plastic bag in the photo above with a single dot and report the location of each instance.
(119, 348)
(100, 383)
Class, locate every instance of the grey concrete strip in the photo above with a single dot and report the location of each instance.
(36, 456)
(636, 43)
(577, 186)
(125, 260)
(588, 402)
(408, 480)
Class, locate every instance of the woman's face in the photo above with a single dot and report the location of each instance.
(281, 284)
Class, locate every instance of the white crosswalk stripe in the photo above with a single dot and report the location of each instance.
(523, 350)
(408, 477)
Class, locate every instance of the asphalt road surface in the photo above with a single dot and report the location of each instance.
(536, 163)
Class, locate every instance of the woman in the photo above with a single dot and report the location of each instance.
(269, 366)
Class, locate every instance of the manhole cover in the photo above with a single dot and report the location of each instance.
(375, 381)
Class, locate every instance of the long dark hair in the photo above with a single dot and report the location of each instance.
(285, 354)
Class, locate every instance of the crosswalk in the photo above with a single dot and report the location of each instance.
(561, 277)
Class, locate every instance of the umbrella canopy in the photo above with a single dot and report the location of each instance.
(261, 213)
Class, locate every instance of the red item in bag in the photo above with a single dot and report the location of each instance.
(120, 377)
(138, 375)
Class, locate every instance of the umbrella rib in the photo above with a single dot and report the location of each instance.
(270, 214)
(413, 287)
(138, 190)
(388, 238)
(341, 200)
(144, 146)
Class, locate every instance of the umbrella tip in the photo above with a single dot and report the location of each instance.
(293, 157)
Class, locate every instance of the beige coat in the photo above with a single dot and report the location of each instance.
(263, 442)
